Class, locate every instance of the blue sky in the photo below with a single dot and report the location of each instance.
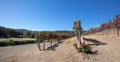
(56, 14)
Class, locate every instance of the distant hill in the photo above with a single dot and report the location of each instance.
(65, 32)
(23, 30)
(10, 32)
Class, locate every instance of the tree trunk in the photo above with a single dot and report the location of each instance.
(55, 41)
(117, 31)
(38, 44)
(44, 45)
(50, 42)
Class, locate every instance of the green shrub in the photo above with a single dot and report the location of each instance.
(2, 43)
(11, 42)
(17, 42)
(83, 49)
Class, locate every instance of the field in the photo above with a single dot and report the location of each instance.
(65, 52)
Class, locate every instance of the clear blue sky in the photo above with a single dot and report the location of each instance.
(56, 14)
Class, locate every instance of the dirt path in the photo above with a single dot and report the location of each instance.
(65, 52)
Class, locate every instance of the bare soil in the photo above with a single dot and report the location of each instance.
(107, 51)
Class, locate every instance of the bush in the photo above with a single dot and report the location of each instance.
(11, 42)
(83, 49)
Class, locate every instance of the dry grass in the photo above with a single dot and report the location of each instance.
(16, 39)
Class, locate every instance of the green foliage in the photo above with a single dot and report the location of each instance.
(7, 32)
(83, 49)
(11, 42)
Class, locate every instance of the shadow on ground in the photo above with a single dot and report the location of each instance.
(54, 46)
(92, 52)
(94, 41)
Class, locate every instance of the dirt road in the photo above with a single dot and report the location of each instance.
(65, 52)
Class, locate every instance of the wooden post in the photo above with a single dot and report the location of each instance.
(43, 44)
(50, 42)
(117, 23)
(77, 30)
(117, 31)
(38, 44)
(118, 27)
(55, 41)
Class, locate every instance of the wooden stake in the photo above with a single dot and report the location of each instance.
(38, 44)
(51, 42)
(117, 31)
(44, 45)
(77, 30)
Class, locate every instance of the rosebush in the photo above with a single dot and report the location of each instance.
(83, 49)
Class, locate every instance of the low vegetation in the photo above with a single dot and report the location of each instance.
(12, 42)
(83, 49)
(108, 26)
(51, 35)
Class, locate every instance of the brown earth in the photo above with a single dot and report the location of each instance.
(108, 51)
